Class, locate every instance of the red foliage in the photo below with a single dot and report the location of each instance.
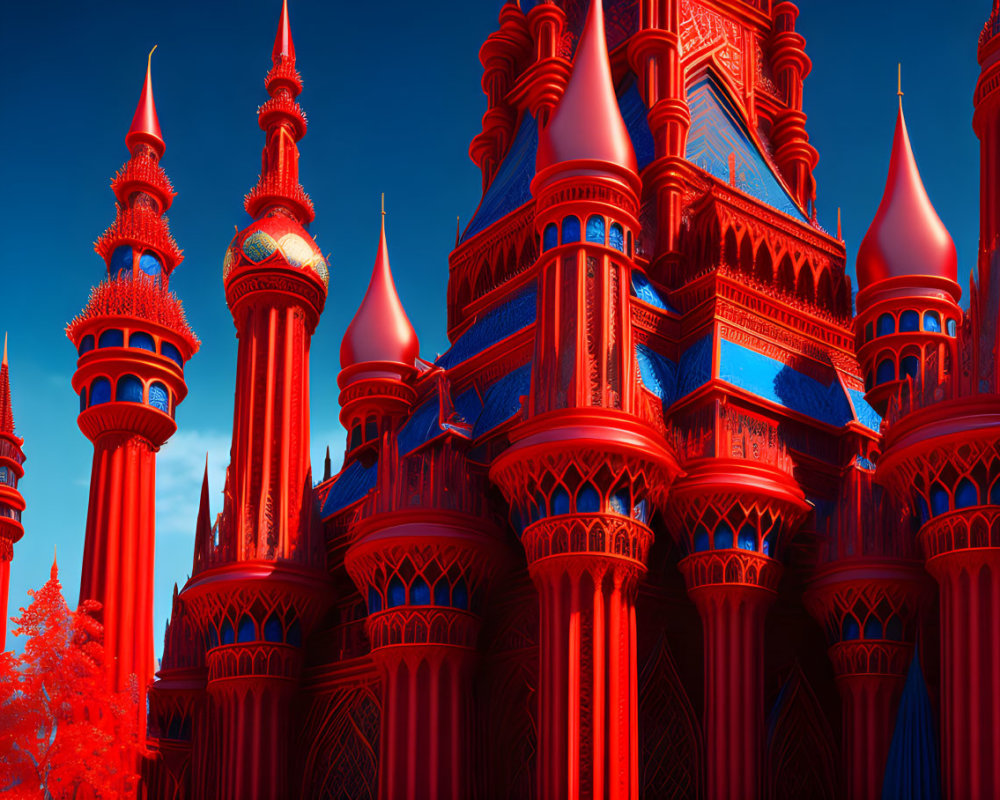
(63, 733)
(135, 297)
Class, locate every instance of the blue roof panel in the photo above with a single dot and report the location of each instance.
(352, 484)
(695, 368)
(645, 291)
(658, 373)
(867, 415)
(504, 320)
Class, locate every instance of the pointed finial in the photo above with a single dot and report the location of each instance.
(145, 123)
(458, 231)
(283, 44)
(383, 204)
(5, 348)
(840, 229)
(899, 81)
(54, 572)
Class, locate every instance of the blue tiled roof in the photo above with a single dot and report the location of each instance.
(501, 400)
(867, 415)
(773, 380)
(659, 374)
(352, 484)
(695, 368)
(633, 111)
(718, 130)
(911, 771)
(497, 324)
(645, 291)
(422, 426)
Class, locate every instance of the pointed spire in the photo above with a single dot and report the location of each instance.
(145, 123)
(587, 124)
(907, 237)
(380, 330)
(203, 531)
(284, 47)
(327, 465)
(6, 409)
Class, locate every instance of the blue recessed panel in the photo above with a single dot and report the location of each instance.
(645, 291)
(717, 130)
(695, 369)
(866, 415)
(504, 320)
(658, 374)
(634, 111)
(352, 484)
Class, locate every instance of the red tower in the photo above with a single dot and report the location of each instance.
(258, 581)
(11, 502)
(133, 341)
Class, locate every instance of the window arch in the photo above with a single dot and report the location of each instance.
(909, 322)
(560, 501)
(885, 325)
(374, 601)
(621, 503)
(723, 539)
(909, 366)
(396, 593)
(371, 429)
(100, 392)
(747, 539)
(228, 634)
(588, 501)
(616, 237)
(850, 629)
(885, 372)
(701, 541)
(595, 229)
(460, 595)
(159, 397)
(111, 338)
(295, 634)
(940, 502)
(966, 494)
(128, 389)
(442, 595)
(873, 627)
(169, 351)
(952, 328)
(869, 332)
(629, 244)
(142, 341)
(551, 236)
(570, 230)
(932, 322)
(247, 631)
(272, 629)
(83, 398)
(420, 593)
(86, 344)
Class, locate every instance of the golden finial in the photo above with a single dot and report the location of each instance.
(149, 58)
(899, 81)
(5, 347)
(840, 230)
(383, 204)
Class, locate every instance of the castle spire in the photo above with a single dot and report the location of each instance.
(145, 126)
(6, 409)
(282, 119)
(380, 330)
(587, 125)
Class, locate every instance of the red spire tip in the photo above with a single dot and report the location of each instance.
(145, 124)
(284, 47)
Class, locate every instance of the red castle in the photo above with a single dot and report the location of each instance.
(667, 520)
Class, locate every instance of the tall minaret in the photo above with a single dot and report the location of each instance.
(11, 502)
(133, 342)
(258, 585)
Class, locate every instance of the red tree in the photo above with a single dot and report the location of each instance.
(63, 733)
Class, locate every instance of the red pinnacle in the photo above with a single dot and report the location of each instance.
(283, 44)
(145, 124)
(6, 410)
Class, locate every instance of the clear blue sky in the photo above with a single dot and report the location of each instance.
(393, 97)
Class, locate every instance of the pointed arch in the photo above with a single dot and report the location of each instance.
(824, 291)
(806, 284)
(785, 278)
(764, 264)
(746, 254)
(671, 744)
(801, 754)
(731, 249)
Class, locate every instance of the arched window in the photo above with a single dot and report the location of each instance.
(295, 634)
(167, 350)
(551, 236)
(150, 264)
(142, 341)
(420, 593)
(111, 338)
(701, 541)
(932, 322)
(121, 262)
(86, 344)
(460, 595)
(247, 631)
(213, 637)
(769, 542)
(869, 331)
(159, 397)
(616, 237)
(952, 328)
(100, 392)
(621, 503)
(909, 366)
(894, 629)
(629, 244)
(939, 500)
(995, 493)
(397, 593)
(374, 601)
(850, 629)
(371, 429)
(570, 230)
(885, 372)
(228, 634)
(747, 538)
(595, 229)
(355, 437)
(588, 501)
(886, 325)
(922, 511)
(909, 322)
(442, 594)
(640, 511)
(873, 627)
(83, 398)
(272, 629)
(966, 494)
(560, 501)
(723, 539)
(129, 389)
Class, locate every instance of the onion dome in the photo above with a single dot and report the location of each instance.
(587, 125)
(276, 239)
(907, 237)
(380, 330)
(145, 124)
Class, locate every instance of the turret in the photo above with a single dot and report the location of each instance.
(377, 359)
(133, 342)
(11, 501)
(908, 291)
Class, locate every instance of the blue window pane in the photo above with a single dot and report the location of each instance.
(374, 601)
(213, 637)
(142, 341)
(228, 634)
(909, 367)
(570, 230)
(129, 389)
(966, 495)
(869, 331)
(121, 261)
(112, 338)
(83, 398)
(939, 500)
(551, 236)
(295, 634)
(86, 344)
(247, 631)
(932, 322)
(952, 328)
(167, 350)
(616, 238)
(150, 264)
(397, 593)
(588, 501)
(995, 494)
(768, 549)
(701, 540)
(909, 321)
(272, 630)
(100, 392)
(442, 594)
(850, 630)
(371, 430)
(460, 595)
(747, 539)
(560, 501)
(922, 512)
(595, 229)
(621, 503)
(886, 372)
(723, 539)
(641, 512)
(873, 628)
(355, 437)
(159, 397)
(420, 593)
(886, 325)
(894, 629)
(630, 244)
(516, 520)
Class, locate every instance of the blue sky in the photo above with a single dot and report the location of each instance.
(393, 97)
